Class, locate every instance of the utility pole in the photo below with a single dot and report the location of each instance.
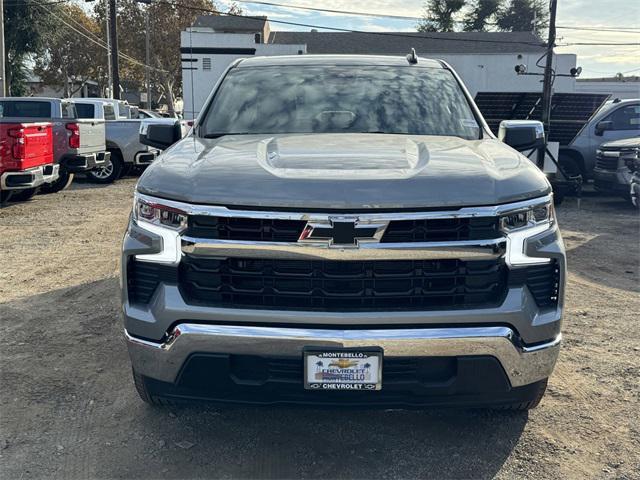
(548, 78)
(113, 33)
(107, 29)
(148, 59)
(3, 82)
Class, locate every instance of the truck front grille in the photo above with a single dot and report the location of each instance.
(607, 163)
(543, 281)
(398, 231)
(325, 285)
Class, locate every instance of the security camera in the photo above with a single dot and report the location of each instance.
(575, 72)
(521, 69)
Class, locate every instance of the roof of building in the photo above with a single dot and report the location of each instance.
(231, 23)
(377, 60)
(396, 43)
(632, 79)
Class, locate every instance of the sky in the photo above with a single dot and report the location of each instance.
(596, 61)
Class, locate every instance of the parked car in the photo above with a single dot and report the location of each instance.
(142, 114)
(617, 119)
(26, 159)
(122, 138)
(78, 145)
(611, 173)
(343, 230)
(633, 163)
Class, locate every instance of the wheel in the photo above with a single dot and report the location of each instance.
(542, 388)
(570, 165)
(5, 195)
(108, 173)
(23, 195)
(63, 181)
(144, 393)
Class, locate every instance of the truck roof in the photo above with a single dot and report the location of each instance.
(329, 60)
(32, 99)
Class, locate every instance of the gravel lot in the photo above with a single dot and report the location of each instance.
(69, 410)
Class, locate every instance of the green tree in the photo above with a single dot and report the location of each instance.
(523, 16)
(27, 27)
(69, 59)
(438, 15)
(167, 21)
(482, 13)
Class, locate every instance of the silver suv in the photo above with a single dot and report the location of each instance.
(343, 230)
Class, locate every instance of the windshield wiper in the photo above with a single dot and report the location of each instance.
(223, 134)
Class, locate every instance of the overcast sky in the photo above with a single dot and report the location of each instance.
(595, 61)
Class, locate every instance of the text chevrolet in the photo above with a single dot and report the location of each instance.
(343, 230)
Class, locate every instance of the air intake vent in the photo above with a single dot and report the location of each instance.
(143, 279)
(342, 285)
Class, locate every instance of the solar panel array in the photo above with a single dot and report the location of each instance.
(569, 111)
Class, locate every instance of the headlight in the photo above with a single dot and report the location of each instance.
(158, 214)
(542, 214)
(164, 221)
(524, 224)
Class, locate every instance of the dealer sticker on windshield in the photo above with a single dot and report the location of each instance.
(343, 369)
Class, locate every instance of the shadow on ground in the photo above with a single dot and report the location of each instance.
(70, 410)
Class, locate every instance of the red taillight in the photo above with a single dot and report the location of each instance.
(74, 135)
(19, 151)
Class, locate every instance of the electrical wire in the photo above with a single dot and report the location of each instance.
(103, 45)
(416, 35)
(410, 18)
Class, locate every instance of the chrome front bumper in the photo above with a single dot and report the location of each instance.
(523, 365)
(145, 158)
(29, 178)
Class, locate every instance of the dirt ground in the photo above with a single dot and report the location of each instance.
(68, 408)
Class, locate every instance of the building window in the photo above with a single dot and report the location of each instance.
(206, 64)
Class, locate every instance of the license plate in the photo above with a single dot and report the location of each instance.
(343, 369)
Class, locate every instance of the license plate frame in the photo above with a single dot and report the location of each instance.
(367, 368)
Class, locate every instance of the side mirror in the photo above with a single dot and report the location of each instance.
(160, 135)
(602, 126)
(522, 134)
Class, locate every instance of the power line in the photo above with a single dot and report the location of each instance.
(327, 10)
(604, 29)
(404, 17)
(103, 45)
(636, 44)
(414, 36)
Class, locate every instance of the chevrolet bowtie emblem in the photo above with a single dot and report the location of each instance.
(343, 363)
(342, 232)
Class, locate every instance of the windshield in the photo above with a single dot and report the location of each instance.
(85, 110)
(26, 109)
(340, 99)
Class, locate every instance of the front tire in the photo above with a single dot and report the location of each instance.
(63, 181)
(5, 196)
(570, 165)
(145, 394)
(108, 173)
(23, 195)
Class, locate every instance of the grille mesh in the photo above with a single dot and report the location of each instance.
(607, 163)
(268, 230)
(342, 285)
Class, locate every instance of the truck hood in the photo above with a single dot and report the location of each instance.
(342, 171)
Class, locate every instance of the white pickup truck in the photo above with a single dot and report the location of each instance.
(122, 137)
(78, 142)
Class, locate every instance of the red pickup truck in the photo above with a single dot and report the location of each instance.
(26, 159)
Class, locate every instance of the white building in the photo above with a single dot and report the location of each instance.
(484, 60)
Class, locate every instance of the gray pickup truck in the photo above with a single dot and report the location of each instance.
(78, 144)
(343, 230)
(615, 120)
(122, 137)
